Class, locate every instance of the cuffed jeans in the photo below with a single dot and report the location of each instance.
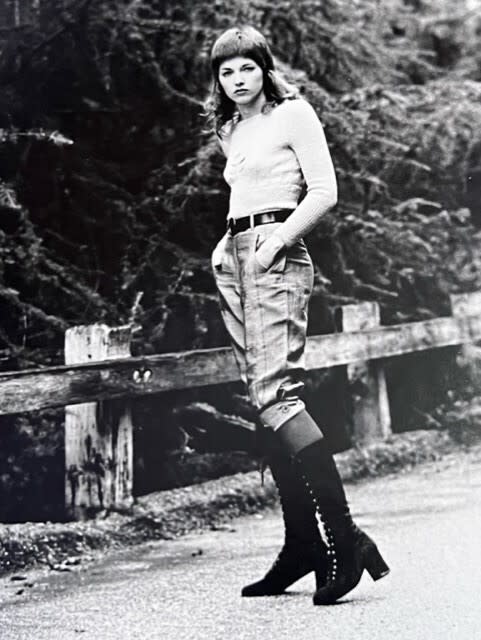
(265, 313)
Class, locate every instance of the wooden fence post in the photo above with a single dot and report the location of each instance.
(372, 418)
(463, 305)
(98, 435)
(466, 304)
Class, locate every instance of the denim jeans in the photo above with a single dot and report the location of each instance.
(265, 313)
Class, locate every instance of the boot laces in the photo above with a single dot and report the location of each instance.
(327, 534)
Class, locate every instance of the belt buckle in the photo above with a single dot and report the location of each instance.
(251, 221)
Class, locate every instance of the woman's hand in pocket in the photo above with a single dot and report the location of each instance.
(216, 257)
(268, 251)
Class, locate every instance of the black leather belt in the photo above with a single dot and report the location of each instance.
(236, 225)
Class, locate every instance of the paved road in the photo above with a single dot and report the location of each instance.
(427, 523)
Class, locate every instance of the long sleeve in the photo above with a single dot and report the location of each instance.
(306, 138)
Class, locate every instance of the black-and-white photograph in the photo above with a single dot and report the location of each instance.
(240, 319)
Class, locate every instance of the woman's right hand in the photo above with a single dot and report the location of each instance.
(268, 251)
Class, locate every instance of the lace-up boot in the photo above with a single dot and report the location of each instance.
(304, 550)
(349, 549)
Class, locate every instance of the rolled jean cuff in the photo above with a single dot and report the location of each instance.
(279, 413)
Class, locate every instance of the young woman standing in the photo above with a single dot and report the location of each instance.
(276, 150)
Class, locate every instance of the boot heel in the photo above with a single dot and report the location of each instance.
(374, 563)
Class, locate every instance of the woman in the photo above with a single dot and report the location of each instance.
(275, 148)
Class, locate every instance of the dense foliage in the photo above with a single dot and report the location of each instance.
(136, 203)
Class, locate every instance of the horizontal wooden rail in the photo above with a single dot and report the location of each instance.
(29, 390)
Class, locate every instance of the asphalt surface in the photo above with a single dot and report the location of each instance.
(427, 522)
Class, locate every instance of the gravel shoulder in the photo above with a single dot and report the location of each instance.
(169, 514)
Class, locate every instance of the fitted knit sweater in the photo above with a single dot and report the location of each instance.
(271, 157)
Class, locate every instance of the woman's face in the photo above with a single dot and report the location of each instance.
(242, 80)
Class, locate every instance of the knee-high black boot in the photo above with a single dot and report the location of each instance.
(350, 550)
(304, 550)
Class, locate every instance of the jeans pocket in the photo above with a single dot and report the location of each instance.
(220, 260)
(216, 261)
(277, 266)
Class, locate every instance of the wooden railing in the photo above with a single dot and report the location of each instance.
(100, 377)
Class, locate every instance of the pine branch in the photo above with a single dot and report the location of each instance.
(13, 135)
(13, 297)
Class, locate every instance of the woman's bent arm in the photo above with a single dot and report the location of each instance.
(307, 139)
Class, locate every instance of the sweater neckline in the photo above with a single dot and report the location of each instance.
(249, 119)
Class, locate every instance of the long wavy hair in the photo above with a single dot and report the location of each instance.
(245, 42)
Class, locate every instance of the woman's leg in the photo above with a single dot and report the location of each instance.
(275, 315)
(303, 550)
(226, 274)
(350, 550)
(275, 323)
